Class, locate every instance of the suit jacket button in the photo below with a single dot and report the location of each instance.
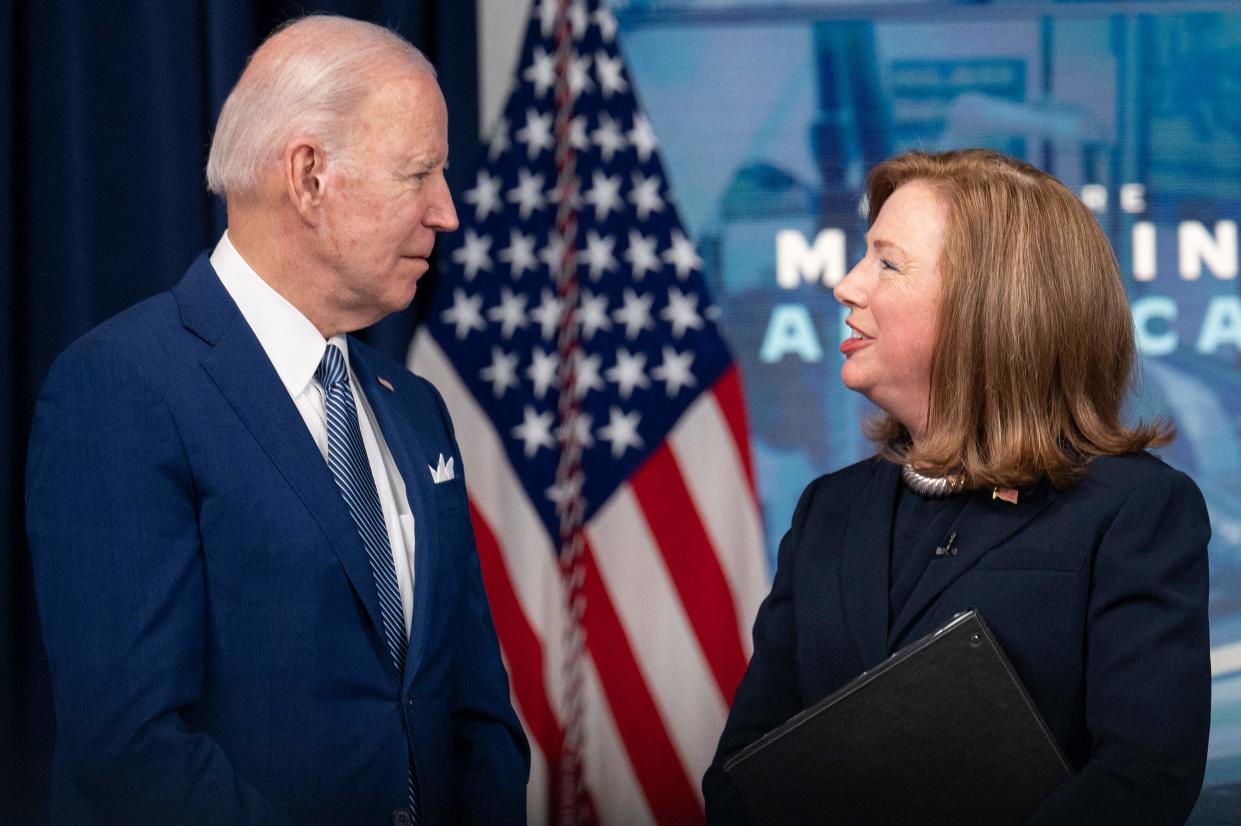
(402, 817)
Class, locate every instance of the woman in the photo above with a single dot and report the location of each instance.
(989, 325)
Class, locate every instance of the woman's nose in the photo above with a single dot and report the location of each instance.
(849, 291)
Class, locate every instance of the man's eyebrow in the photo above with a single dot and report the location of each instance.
(425, 164)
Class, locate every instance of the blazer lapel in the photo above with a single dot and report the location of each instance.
(245, 377)
(984, 523)
(394, 415)
(864, 564)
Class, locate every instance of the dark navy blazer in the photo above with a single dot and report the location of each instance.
(210, 616)
(1098, 593)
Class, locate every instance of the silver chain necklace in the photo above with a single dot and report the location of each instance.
(932, 487)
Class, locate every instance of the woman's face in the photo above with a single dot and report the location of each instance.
(893, 296)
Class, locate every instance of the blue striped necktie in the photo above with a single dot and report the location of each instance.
(347, 460)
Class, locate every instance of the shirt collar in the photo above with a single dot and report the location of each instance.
(291, 341)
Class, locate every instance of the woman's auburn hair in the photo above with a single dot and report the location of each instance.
(1034, 352)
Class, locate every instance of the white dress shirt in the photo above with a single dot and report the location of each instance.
(295, 348)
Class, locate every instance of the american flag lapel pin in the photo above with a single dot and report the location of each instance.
(387, 385)
(1007, 494)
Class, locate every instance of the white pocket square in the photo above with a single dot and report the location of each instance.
(444, 472)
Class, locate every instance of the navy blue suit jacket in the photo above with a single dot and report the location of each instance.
(1098, 593)
(210, 617)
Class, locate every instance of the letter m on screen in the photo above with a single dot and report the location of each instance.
(797, 261)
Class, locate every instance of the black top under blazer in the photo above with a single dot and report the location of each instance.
(1097, 592)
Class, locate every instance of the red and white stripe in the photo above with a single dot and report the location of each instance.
(675, 570)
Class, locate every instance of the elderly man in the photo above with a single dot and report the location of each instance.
(253, 557)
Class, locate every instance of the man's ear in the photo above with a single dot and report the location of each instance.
(305, 178)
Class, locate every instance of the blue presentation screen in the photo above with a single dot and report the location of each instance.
(770, 113)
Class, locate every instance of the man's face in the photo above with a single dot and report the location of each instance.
(383, 205)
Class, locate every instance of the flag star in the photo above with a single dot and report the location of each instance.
(682, 255)
(519, 254)
(642, 136)
(552, 253)
(592, 314)
(681, 312)
(464, 313)
(501, 373)
(603, 195)
(578, 75)
(608, 137)
(599, 254)
(712, 313)
(485, 196)
(635, 314)
(566, 491)
(541, 72)
(674, 371)
(586, 374)
(641, 254)
(542, 371)
(536, 134)
(610, 71)
(577, 134)
(622, 431)
(510, 312)
(578, 19)
(568, 191)
(528, 194)
(629, 372)
(535, 431)
(582, 424)
(606, 21)
(645, 195)
(474, 254)
(547, 314)
(499, 141)
(547, 16)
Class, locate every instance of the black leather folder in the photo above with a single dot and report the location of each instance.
(941, 732)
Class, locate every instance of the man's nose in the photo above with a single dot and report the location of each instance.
(442, 216)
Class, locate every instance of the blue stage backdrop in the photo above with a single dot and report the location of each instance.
(770, 113)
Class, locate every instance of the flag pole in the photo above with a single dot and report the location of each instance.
(569, 478)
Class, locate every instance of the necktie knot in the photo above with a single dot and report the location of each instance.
(331, 370)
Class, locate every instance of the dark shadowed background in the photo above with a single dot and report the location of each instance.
(106, 111)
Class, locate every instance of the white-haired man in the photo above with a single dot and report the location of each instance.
(259, 589)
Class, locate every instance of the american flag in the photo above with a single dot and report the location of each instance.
(602, 426)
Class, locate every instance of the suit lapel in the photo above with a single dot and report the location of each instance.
(984, 523)
(245, 377)
(394, 415)
(864, 564)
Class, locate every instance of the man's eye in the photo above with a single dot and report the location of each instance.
(887, 265)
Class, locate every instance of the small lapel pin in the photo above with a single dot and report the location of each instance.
(387, 385)
(1007, 494)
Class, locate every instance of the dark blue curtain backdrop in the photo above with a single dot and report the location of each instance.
(106, 112)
